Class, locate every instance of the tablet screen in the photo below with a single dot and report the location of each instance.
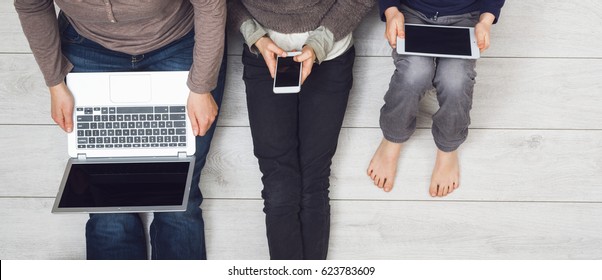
(437, 40)
(125, 185)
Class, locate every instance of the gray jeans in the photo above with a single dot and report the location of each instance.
(452, 78)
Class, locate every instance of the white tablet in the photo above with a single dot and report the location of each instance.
(439, 41)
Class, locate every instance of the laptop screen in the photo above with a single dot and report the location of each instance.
(141, 184)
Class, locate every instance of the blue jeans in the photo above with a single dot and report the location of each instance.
(295, 137)
(453, 78)
(174, 235)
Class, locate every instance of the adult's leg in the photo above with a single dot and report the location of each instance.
(180, 235)
(322, 105)
(108, 236)
(273, 121)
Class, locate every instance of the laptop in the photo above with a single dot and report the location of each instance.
(132, 147)
(439, 41)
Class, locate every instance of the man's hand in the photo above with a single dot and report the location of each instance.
(395, 28)
(202, 111)
(482, 30)
(269, 50)
(61, 106)
(307, 58)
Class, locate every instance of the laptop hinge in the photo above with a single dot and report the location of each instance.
(181, 154)
(81, 156)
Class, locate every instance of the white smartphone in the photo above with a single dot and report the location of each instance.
(288, 74)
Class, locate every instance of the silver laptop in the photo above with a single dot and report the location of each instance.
(132, 147)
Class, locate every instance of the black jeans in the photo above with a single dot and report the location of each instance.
(295, 137)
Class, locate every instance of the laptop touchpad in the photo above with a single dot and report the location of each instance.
(130, 88)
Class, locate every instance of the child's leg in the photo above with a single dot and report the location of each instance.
(454, 81)
(412, 77)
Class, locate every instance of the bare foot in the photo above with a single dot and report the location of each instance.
(446, 174)
(383, 165)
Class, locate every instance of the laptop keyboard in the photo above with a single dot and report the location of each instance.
(130, 127)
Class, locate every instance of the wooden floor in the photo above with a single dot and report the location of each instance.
(531, 167)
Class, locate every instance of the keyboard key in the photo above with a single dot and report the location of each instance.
(103, 133)
(183, 139)
(81, 146)
(145, 145)
(134, 117)
(80, 133)
(180, 131)
(142, 117)
(79, 109)
(114, 140)
(174, 139)
(111, 110)
(154, 145)
(97, 118)
(134, 110)
(127, 145)
(177, 117)
(111, 132)
(148, 132)
(123, 125)
(131, 125)
(154, 125)
(112, 118)
(107, 139)
(169, 124)
(163, 144)
(118, 132)
(181, 144)
(159, 139)
(157, 117)
(101, 125)
(177, 109)
(88, 111)
(82, 140)
(140, 132)
(130, 139)
(99, 140)
(138, 125)
(127, 118)
(171, 131)
(173, 144)
(97, 109)
(156, 131)
(95, 133)
(161, 124)
(104, 110)
(89, 146)
(165, 117)
(164, 131)
(119, 118)
(109, 145)
(105, 118)
(100, 146)
(136, 145)
(118, 146)
(91, 140)
(126, 132)
(161, 109)
(137, 139)
(144, 139)
(179, 124)
(122, 139)
(84, 118)
(93, 125)
(88, 132)
(83, 125)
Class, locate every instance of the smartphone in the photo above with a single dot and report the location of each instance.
(288, 74)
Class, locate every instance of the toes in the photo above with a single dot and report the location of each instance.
(433, 189)
(377, 182)
(388, 185)
(440, 188)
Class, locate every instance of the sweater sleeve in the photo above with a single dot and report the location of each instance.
(383, 5)
(492, 6)
(40, 25)
(237, 14)
(345, 16)
(209, 38)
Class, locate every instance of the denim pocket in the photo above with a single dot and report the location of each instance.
(67, 32)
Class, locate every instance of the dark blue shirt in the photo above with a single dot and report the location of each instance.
(430, 8)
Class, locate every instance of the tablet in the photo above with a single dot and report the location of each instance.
(439, 41)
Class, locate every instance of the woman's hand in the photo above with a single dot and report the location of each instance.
(202, 111)
(269, 50)
(307, 59)
(395, 26)
(61, 106)
(482, 30)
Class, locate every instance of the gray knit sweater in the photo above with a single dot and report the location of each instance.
(341, 17)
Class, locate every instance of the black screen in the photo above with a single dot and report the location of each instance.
(287, 72)
(125, 184)
(437, 40)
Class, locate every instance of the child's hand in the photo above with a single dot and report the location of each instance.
(395, 28)
(482, 30)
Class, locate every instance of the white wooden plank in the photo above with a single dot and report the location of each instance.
(555, 28)
(12, 38)
(30, 231)
(359, 230)
(510, 93)
(497, 165)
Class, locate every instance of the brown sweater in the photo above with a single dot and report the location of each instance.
(341, 17)
(133, 27)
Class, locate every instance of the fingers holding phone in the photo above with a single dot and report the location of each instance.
(269, 50)
(307, 58)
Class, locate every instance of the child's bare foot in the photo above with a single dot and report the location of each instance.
(383, 165)
(446, 174)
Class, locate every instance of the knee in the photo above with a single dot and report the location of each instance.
(280, 201)
(415, 73)
(114, 224)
